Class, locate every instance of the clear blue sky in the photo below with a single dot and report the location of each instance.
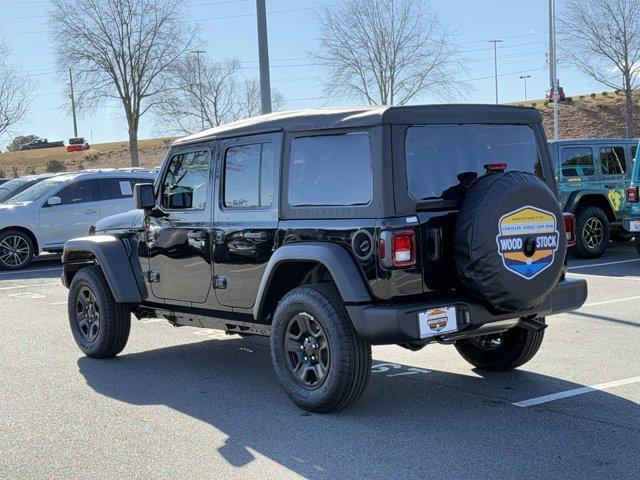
(228, 29)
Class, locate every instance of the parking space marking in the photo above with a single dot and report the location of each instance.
(26, 295)
(604, 264)
(604, 277)
(576, 391)
(30, 286)
(605, 302)
(59, 303)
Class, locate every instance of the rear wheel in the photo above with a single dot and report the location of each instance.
(16, 250)
(501, 352)
(322, 363)
(99, 324)
(592, 232)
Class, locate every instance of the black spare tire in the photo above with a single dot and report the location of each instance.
(510, 241)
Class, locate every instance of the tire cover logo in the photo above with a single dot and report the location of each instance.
(437, 320)
(516, 229)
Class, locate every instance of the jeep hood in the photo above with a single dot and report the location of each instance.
(121, 221)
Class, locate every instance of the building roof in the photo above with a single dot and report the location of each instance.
(324, 119)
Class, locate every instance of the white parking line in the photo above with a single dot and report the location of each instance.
(30, 286)
(605, 302)
(31, 271)
(575, 391)
(588, 275)
(604, 264)
(59, 303)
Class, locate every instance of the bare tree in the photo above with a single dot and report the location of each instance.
(602, 38)
(387, 51)
(120, 49)
(205, 94)
(16, 91)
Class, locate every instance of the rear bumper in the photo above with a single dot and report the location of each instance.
(382, 325)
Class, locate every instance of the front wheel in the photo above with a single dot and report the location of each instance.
(99, 324)
(16, 250)
(501, 352)
(322, 363)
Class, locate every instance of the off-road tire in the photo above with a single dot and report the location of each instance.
(350, 356)
(114, 318)
(24, 239)
(518, 345)
(582, 248)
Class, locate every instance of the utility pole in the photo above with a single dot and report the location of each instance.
(263, 55)
(495, 62)
(73, 105)
(555, 91)
(200, 99)
(524, 77)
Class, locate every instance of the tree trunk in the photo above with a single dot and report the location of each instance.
(628, 93)
(133, 143)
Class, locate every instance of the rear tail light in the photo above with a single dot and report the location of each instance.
(397, 249)
(570, 228)
(632, 194)
(496, 167)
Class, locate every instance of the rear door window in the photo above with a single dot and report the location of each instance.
(577, 162)
(78, 192)
(248, 176)
(331, 170)
(117, 188)
(612, 161)
(443, 160)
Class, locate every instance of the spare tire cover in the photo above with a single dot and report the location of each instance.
(509, 241)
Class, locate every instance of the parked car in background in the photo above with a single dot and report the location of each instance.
(593, 176)
(631, 222)
(77, 144)
(14, 187)
(41, 143)
(4, 180)
(46, 215)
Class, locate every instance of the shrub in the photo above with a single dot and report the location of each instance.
(2, 174)
(533, 104)
(54, 166)
(31, 170)
(569, 99)
(593, 95)
(14, 172)
(605, 94)
(546, 103)
(581, 97)
(80, 165)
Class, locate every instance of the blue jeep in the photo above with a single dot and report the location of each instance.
(593, 176)
(632, 215)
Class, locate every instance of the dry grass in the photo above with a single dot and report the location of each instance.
(100, 155)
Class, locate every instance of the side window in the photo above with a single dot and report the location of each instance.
(330, 170)
(612, 160)
(576, 162)
(634, 153)
(186, 181)
(249, 176)
(116, 188)
(78, 192)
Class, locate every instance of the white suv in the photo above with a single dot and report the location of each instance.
(43, 217)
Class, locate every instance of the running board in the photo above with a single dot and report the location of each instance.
(228, 325)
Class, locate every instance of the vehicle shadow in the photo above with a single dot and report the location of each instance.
(409, 423)
(43, 267)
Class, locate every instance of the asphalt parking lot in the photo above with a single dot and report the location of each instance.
(189, 403)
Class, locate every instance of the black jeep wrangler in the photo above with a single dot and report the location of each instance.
(332, 230)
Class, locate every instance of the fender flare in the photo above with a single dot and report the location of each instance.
(336, 259)
(575, 197)
(112, 256)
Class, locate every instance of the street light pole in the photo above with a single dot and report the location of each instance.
(495, 62)
(263, 56)
(524, 77)
(200, 99)
(73, 105)
(555, 93)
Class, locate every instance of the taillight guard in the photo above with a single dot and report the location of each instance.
(397, 248)
(570, 228)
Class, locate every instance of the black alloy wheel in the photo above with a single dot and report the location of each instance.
(87, 314)
(307, 351)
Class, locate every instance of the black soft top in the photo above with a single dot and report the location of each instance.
(326, 119)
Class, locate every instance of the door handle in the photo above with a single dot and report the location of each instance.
(609, 186)
(90, 211)
(197, 235)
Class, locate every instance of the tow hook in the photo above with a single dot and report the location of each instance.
(533, 324)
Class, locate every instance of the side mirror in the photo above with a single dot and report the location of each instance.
(144, 196)
(54, 201)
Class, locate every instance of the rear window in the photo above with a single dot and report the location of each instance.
(443, 160)
(577, 162)
(331, 170)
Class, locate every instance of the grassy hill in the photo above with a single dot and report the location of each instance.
(581, 116)
(588, 116)
(100, 155)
